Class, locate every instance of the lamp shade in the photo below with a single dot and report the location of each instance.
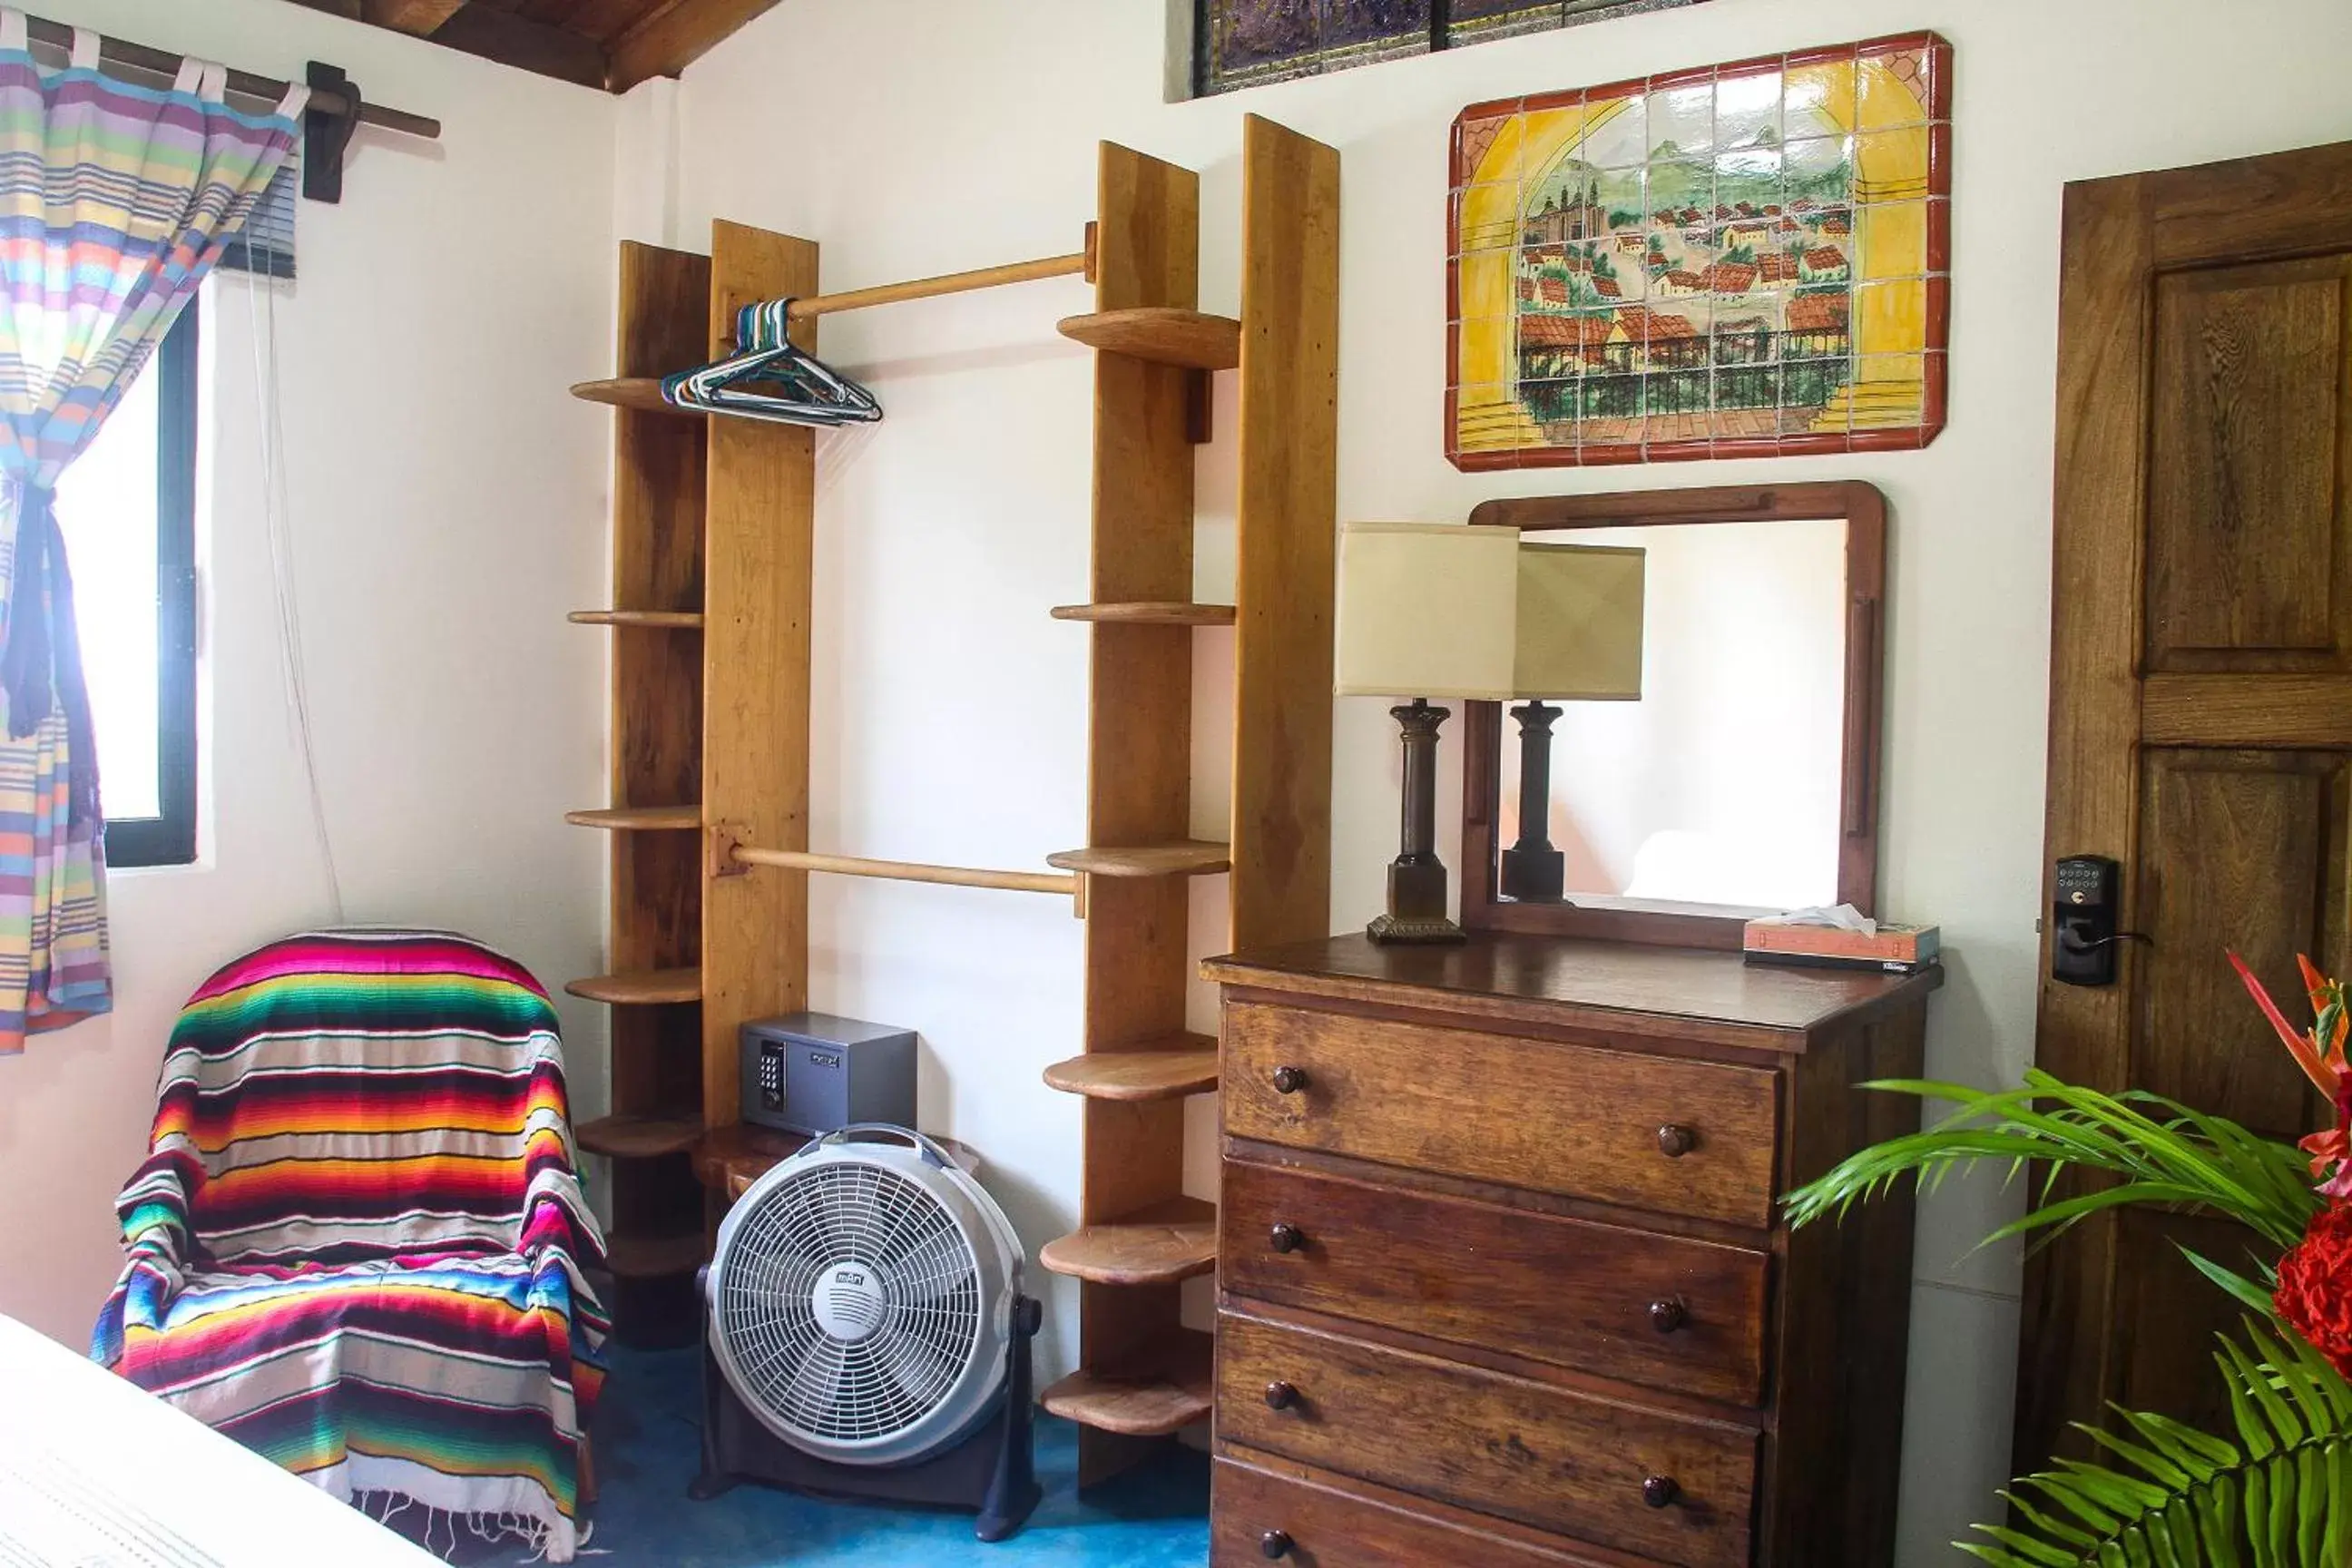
(1579, 636)
(1427, 610)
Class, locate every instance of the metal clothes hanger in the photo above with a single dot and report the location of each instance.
(768, 378)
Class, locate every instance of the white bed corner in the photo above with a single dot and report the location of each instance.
(95, 1473)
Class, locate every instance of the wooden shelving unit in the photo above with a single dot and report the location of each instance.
(1185, 857)
(1150, 615)
(641, 987)
(1142, 1373)
(713, 530)
(1172, 1068)
(1162, 334)
(646, 620)
(702, 555)
(639, 818)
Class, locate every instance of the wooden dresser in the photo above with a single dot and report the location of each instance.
(1500, 1280)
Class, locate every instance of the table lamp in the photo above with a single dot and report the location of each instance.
(1424, 610)
(1578, 638)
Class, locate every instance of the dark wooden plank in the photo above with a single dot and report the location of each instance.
(1627, 1304)
(1573, 1118)
(2092, 802)
(525, 45)
(1332, 1520)
(657, 710)
(1611, 987)
(1842, 1330)
(2247, 495)
(419, 17)
(1504, 1446)
(668, 40)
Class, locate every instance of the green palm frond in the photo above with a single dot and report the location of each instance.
(2157, 1149)
(2280, 1495)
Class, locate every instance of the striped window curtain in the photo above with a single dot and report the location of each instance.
(115, 201)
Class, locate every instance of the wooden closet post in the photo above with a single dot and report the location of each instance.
(760, 534)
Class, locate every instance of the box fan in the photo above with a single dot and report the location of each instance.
(866, 1334)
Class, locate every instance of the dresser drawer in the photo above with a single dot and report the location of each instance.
(1328, 1524)
(1685, 1137)
(1664, 1485)
(1686, 1315)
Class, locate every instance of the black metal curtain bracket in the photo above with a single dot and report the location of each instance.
(327, 126)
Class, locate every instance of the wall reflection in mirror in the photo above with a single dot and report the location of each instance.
(1721, 784)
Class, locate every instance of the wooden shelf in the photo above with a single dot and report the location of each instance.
(641, 394)
(638, 1137)
(653, 1257)
(1155, 614)
(1168, 1068)
(641, 987)
(1166, 1399)
(1162, 334)
(647, 620)
(639, 818)
(1192, 858)
(1157, 1245)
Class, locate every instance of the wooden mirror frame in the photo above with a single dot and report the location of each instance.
(1864, 508)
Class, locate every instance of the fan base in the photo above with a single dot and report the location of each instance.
(990, 1471)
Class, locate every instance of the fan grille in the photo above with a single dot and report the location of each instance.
(915, 1261)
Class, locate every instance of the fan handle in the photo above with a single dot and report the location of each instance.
(931, 1152)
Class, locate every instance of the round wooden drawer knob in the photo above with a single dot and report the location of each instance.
(1675, 1140)
(1668, 1315)
(1285, 1239)
(1275, 1543)
(1660, 1491)
(1289, 1080)
(1281, 1395)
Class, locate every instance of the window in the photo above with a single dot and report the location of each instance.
(127, 508)
(1241, 43)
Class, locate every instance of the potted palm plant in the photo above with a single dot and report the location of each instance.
(2275, 1492)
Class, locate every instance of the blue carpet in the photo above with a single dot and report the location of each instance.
(648, 1444)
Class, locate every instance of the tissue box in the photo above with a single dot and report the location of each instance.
(1901, 949)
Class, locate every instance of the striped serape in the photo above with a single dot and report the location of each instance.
(356, 1243)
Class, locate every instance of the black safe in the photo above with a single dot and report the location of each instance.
(812, 1073)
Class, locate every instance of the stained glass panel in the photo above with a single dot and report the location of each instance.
(1244, 43)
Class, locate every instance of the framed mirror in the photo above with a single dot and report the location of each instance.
(1744, 779)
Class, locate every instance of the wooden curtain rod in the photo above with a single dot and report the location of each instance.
(1080, 261)
(138, 59)
(1065, 883)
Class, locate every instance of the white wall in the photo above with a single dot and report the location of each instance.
(445, 504)
(914, 137)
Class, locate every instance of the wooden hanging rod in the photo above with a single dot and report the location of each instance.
(163, 66)
(1076, 262)
(732, 856)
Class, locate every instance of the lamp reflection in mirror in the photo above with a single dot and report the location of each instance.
(1424, 610)
(1578, 638)
(1440, 610)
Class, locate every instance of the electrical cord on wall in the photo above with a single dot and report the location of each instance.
(276, 526)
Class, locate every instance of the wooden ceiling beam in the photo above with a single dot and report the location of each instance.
(418, 18)
(668, 41)
(529, 46)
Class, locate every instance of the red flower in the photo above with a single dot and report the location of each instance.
(2321, 1053)
(2315, 1289)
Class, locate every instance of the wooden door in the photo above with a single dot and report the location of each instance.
(2200, 707)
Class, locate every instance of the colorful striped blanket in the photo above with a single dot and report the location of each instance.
(356, 1243)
